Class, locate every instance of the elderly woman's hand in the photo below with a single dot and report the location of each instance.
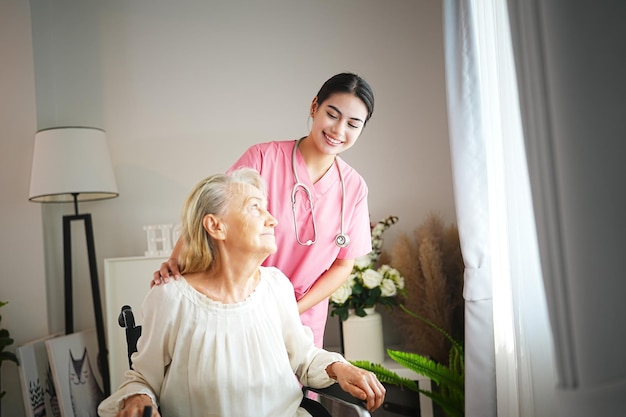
(134, 406)
(359, 383)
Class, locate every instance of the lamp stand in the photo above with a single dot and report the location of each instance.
(103, 362)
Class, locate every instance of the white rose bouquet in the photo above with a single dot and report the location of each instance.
(368, 285)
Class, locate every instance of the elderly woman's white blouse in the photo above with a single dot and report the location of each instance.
(199, 357)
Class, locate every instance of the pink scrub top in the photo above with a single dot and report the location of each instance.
(304, 264)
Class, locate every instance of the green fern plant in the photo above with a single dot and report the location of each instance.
(5, 340)
(450, 379)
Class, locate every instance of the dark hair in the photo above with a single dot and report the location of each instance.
(348, 83)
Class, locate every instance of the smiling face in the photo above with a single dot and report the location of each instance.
(248, 225)
(337, 122)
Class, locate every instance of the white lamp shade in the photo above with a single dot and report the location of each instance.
(70, 161)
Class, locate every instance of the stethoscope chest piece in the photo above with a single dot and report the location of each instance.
(342, 240)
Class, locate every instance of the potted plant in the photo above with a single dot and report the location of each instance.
(368, 284)
(430, 317)
(449, 379)
(5, 341)
(355, 301)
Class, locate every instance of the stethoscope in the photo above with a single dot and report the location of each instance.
(342, 239)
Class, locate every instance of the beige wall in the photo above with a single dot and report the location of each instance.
(182, 89)
(22, 280)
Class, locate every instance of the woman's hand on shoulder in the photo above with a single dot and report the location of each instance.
(168, 270)
(134, 406)
(359, 383)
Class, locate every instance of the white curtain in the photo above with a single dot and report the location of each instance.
(570, 63)
(509, 359)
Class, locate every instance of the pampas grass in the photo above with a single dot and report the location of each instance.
(430, 261)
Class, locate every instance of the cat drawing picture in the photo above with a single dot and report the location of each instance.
(85, 392)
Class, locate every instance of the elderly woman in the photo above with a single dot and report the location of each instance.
(227, 339)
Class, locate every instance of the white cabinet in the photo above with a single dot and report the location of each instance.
(126, 282)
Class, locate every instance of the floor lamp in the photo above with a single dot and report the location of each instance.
(72, 164)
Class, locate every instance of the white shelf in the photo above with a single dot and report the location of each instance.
(126, 282)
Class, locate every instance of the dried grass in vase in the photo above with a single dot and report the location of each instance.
(432, 265)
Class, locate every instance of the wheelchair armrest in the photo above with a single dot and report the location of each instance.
(335, 393)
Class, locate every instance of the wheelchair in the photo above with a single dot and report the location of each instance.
(126, 320)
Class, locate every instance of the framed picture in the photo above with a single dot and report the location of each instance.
(38, 391)
(78, 381)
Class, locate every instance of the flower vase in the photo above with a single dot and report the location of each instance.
(363, 337)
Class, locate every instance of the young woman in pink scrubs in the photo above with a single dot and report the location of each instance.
(319, 200)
